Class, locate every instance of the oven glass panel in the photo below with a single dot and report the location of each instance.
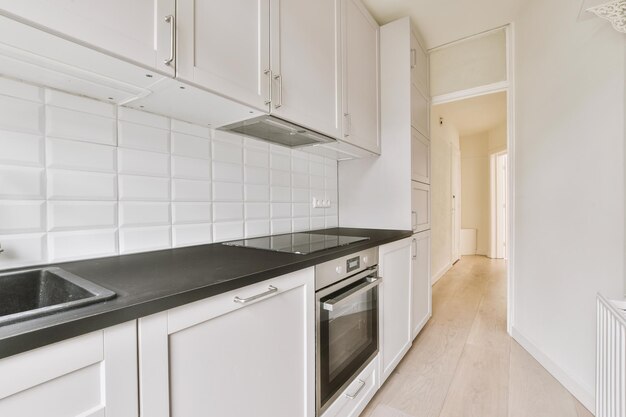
(348, 337)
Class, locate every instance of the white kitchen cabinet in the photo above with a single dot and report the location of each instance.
(93, 375)
(361, 125)
(219, 357)
(420, 157)
(420, 111)
(281, 56)
(355, 398)
(421, 288)
(420, 206)
(224, 46)
(306, 64)
(419, 65)
(136, 30)
(395, 313)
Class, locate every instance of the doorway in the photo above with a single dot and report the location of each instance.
(498, 212)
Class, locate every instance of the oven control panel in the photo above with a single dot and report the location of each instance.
(333, 271)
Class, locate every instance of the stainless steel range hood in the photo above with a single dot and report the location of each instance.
(275, 130)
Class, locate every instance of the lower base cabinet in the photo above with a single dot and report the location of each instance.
(421, 287)
(93, 375)
(356, 397)
(249, 352)
(395, 313)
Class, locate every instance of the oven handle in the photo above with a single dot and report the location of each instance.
(372, 282)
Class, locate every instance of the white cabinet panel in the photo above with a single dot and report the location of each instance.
(419, 66)
(360, 76)
(134, 30)
(87, 376)
(420, 203)
(224, 46)
(420, 111)
(210, 354)
(421, 288)
(420, 157)
(305, 62)
(395, 318)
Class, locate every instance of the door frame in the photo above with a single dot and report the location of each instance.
(507, 86)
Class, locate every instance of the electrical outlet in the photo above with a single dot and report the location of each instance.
(317, 203)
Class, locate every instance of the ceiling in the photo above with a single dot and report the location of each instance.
(443, 21)
(474, 115)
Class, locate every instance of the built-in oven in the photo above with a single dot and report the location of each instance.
(346, 322)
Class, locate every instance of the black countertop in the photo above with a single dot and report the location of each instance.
(151, 282)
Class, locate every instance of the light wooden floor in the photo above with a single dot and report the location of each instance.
(464, 364)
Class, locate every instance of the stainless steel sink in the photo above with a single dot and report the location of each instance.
(37, 292)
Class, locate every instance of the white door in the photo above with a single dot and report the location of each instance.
(419, 66)
(395, 316)
(224, 47)
(306, 64)
(360, 76)
(135, 30)
(455, 187)
(220, 357)
(421, 288)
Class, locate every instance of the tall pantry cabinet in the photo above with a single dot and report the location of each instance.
(392, 191)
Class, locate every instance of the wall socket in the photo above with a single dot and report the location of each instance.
(317, 203)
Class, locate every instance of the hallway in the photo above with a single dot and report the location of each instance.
(464, 364)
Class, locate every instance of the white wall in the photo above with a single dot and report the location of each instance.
(444, 138)
(475, 188)
(471, 63)
(81, 178)
(569, 184)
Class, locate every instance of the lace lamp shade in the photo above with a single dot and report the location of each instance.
(613, 11)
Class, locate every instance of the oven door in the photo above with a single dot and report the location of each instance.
(347, 333)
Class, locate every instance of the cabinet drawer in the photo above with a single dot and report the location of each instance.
(420, 157)
(355, 398)
(420, 202)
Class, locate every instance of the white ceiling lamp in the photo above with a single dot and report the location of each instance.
(613, 11)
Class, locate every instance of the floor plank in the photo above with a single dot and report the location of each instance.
(464, 364)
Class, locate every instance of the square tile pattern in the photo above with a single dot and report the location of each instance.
(80, 178)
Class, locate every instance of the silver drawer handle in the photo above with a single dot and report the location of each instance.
(356, 394)
(271, 290)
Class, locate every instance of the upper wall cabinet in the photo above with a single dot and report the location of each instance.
(224, 46)
(305, 63)
(139, 31)
(280, 56)
(361, 114)
(419, 65)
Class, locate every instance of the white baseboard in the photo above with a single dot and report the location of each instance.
(440, 273)
(584, 394)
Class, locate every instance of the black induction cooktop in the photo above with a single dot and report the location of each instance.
(299, 243)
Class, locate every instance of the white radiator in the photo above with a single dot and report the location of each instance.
(611, 359)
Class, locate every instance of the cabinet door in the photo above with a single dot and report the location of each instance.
(419, 66)
(420, 111)
(395, 268)
(306, 65)
(420, 203)
(135, 30)
(218, 357)
(420, 157)
(421, 288)
(224, 46)
(360, 76)
(90, 375)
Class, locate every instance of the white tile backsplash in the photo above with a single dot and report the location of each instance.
(81, 178)
(21, 148)
(21, 183)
